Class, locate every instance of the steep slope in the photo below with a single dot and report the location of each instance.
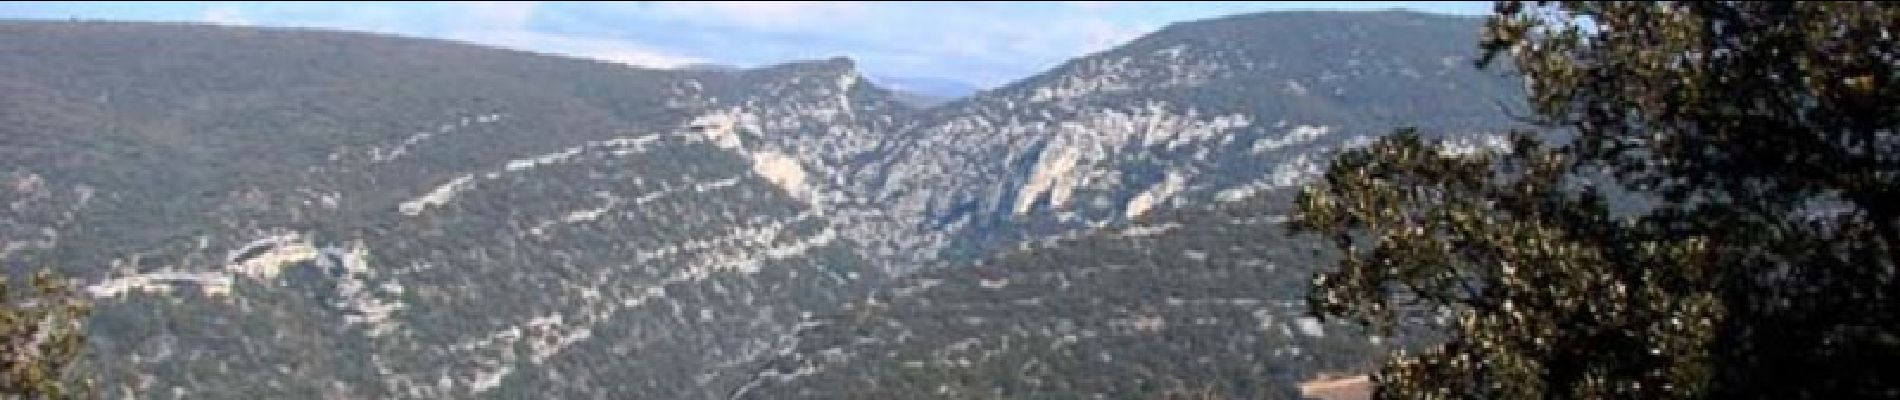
(1199, 112)
(1205, 300)
(272, 213)
(268, 213)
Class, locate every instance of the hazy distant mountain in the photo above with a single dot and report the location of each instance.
(709, 67)
(927, 91)
(272, 213)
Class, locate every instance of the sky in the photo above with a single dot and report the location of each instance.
(984, 44)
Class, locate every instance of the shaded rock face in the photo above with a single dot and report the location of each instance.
(284, 213)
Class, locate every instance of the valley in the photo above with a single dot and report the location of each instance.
(281, 213)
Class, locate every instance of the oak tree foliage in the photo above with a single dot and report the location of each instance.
(41, 338)
(1712, 209)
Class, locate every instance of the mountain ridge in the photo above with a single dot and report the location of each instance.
(299, 214)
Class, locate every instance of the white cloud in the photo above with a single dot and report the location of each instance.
(500, 24)
(224, 15)
(1090, 5)
(988, 43)
(498, 14)
(981, 42)
(984, 42)
(619, 51)
(642, 57)
(1098, 35)
(1004, 43)
(763, 15)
